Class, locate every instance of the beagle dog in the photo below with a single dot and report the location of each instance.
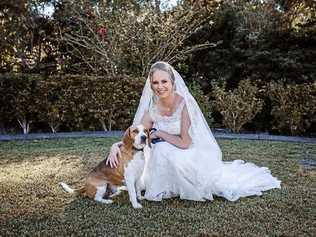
(135, 152)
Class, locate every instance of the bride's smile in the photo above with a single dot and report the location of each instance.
(187, 161)
(162, 85)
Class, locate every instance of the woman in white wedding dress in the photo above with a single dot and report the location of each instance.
(187, 162)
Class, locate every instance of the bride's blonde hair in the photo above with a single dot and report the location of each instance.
(162, 66)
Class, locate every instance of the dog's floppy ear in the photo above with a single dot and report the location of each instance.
(148, 138)
(127, 139)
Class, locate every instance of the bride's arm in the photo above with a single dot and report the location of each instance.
(146, 121)
(184, 139)
(112, 159)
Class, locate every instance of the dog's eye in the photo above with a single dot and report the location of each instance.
(135, 131)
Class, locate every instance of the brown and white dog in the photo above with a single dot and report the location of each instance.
(135, 152)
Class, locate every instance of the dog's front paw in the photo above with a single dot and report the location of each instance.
(141, 197)
(137, 205)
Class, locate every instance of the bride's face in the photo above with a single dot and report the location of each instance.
(161, 84)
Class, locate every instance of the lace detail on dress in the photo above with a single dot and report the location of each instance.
(170, 124)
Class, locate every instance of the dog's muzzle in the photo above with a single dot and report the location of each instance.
(143, 139)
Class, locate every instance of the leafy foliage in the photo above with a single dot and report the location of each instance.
(129, 39)
(72, 100)
(203, 101)
(206, 41)
(113, 101)
(19, 93)
(29, 41)
(238, 106)
(294, 107)
(52, 102)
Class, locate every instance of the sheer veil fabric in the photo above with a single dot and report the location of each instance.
(203, 174)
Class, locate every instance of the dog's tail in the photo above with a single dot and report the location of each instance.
(70, 190)
(67, 188)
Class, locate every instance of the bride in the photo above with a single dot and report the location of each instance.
(187, 161)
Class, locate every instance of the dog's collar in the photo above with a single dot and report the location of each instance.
(137, 149)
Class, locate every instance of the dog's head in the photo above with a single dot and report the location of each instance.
(137, 137)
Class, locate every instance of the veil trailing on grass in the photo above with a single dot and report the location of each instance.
(211, 175)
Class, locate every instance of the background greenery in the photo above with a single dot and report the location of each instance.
(32, 202)
(252, 63)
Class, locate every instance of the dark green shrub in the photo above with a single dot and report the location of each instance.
(75, 102)
(294, 107)
(203, 101)
(18, 98)
(238, 106)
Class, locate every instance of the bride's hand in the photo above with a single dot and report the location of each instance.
(154, 134)
(114, 153)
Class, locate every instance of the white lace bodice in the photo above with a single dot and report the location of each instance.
(170, 124)
(196, 173)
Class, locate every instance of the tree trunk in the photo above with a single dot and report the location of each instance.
(103, 125)
(110, 120)
(54, 127)
(24, 125)
(157, 6)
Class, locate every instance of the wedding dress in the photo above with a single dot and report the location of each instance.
(196, 173)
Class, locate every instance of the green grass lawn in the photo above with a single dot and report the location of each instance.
(33, 204)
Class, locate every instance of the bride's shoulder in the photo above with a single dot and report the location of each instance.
(179, 99)
(152, 111)
(180, 105)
